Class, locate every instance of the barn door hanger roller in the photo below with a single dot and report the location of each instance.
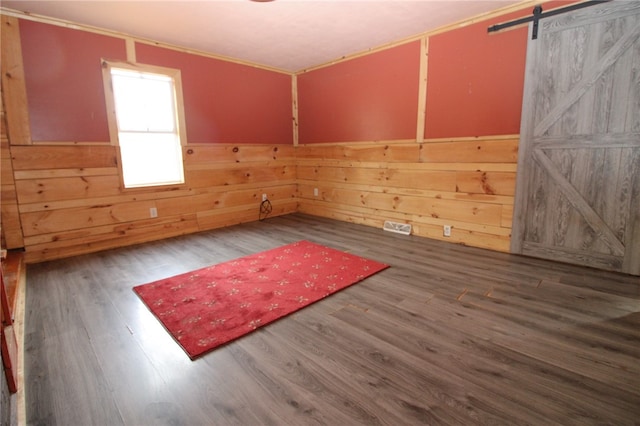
(538, 14)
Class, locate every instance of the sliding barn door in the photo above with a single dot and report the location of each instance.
(578, 184)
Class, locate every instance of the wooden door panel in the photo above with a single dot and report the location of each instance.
(578, 177)
(576, 196)
(564, 99)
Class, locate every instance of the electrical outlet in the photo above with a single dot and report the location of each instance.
(264, 197)
(446, 230)
(315, 192)
(153, 212)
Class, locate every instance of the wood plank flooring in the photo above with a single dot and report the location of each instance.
(447, 335)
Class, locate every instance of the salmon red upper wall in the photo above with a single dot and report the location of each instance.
(475, 79)
(372, 97)
(474, 88)
(226, 102)
(64, 81)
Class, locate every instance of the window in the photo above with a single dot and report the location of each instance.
(145, 109)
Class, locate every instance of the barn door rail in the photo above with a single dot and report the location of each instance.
(539, 14)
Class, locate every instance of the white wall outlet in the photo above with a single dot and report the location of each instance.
(315, 192)
(153, 212)
(264, 197)
(446, 230)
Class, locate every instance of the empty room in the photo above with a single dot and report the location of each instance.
(320, 212)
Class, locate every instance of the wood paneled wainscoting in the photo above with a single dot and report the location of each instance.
(468, 183)
(71, 200)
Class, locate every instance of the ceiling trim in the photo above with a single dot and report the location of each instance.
(459, 24)
(103, 31)
(129, 38)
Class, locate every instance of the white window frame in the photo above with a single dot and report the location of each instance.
(114, 130)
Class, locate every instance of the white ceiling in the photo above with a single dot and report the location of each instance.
(289, 35)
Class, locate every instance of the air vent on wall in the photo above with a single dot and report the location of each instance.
(399, 228)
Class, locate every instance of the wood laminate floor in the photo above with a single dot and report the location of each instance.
(447, 335)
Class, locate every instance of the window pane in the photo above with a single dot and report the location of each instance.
(146, 116)
(150, 159)
(144, 102)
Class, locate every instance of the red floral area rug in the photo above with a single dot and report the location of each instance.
(209, 307)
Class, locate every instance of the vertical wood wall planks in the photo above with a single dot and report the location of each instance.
(422, 89)
(12, 237)
(13, 83)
